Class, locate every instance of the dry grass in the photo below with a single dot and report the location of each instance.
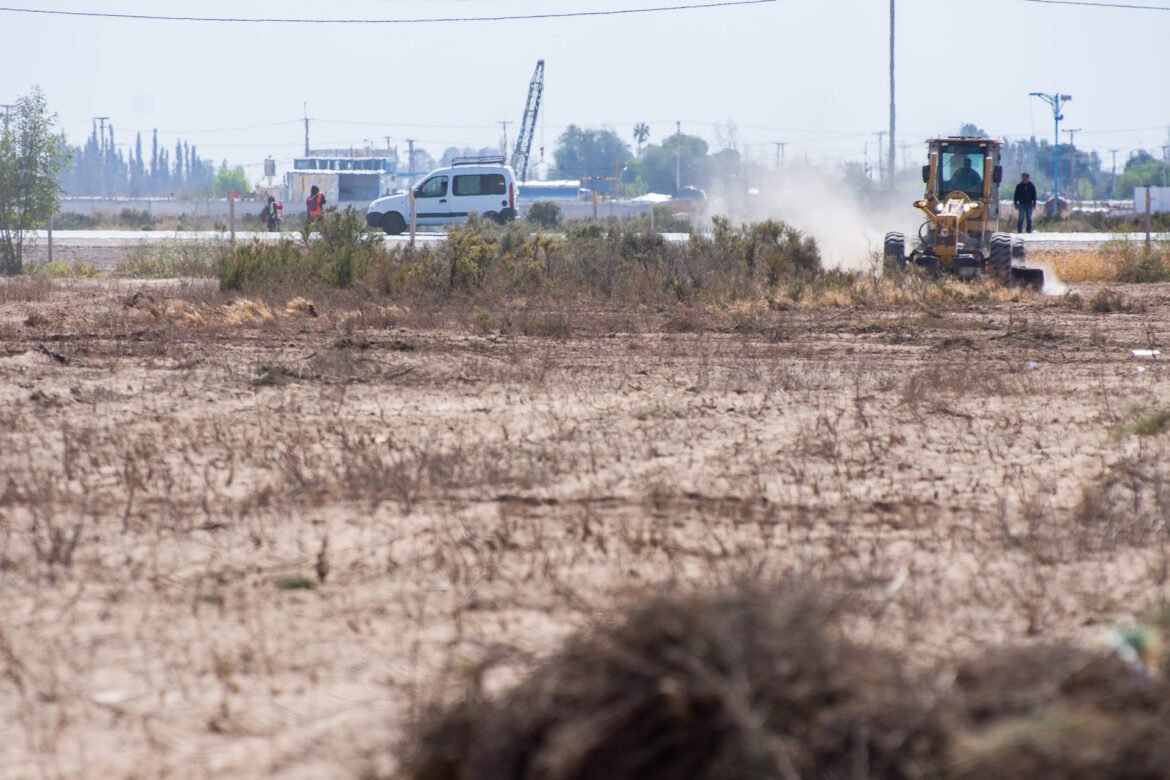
(1114, 262)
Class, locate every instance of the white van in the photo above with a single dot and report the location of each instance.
(470, 185)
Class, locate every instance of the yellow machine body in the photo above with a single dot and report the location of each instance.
(961, 202)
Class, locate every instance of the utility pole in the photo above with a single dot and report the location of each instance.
(102, 151)
(881, 162)
(504, 124)
(1055, 100)
(306, 129)
(1113, 181)
(893, 168)
(410, 163)
(677, 158)
(780, 153)
(1072, 158)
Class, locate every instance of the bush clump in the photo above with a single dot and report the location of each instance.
(754, 684)
(760, 684)
(136, 219)
(338, 253)
(545, 214)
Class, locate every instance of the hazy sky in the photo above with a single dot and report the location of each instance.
(810, 73)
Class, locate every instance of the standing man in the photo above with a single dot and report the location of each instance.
(315, 203)
(1025, 201)
(272, 213)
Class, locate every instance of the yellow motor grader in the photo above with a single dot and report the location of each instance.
(961, 204)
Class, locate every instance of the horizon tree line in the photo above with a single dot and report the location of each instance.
(99, 167)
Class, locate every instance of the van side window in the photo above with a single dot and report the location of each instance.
(433, 188)
(480, 184)
(467, 185)
(493, 184)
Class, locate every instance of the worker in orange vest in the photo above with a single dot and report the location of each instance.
(315, 203)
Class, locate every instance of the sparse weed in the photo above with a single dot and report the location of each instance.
(174, 259)
(1108, 301)
(1149, 425)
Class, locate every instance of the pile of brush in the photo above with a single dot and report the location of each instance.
(760, 684)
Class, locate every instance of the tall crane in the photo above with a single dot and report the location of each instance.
(528, 123)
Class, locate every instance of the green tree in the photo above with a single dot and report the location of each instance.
(589, 153)
(1142, 169)
(228, 179)
(660, 164)
(32, 157)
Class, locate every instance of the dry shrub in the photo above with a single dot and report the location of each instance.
(751, 684)
(25, 289)
(1059, 712)
(184, 312)
(300, 305)
(759, 684)
(1107, 301)
(1129, 504)
(1114, 261)
(1076, 266)
(246, 311)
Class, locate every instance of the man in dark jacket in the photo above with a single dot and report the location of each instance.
(1025, 201)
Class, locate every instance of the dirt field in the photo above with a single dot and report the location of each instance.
(242, 540)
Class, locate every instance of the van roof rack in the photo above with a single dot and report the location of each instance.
(495, 159)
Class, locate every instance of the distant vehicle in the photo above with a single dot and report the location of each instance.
(470, 185)
(691, 193)
(690, 201)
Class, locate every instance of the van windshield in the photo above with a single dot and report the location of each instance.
(435, 187)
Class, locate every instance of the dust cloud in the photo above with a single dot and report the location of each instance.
(849, 225)
(1053, 284)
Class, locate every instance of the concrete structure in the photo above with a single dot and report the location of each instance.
(342, 179)
(1159, 199)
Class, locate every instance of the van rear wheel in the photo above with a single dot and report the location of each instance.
(393, 223)
(507, 215)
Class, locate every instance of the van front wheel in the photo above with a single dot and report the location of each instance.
(393, 223)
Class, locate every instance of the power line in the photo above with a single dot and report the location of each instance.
(433, 20)
(1119, 6)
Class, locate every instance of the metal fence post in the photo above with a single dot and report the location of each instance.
(413, 221)
(1148, 212)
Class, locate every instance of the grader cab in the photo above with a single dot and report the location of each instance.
(961, 203)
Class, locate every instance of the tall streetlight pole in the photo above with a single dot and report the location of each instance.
(504, 124)
(677, 157)
(306, 129)
(1072, 159)
(1056, 101)
(102, 150)
(893, 147)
